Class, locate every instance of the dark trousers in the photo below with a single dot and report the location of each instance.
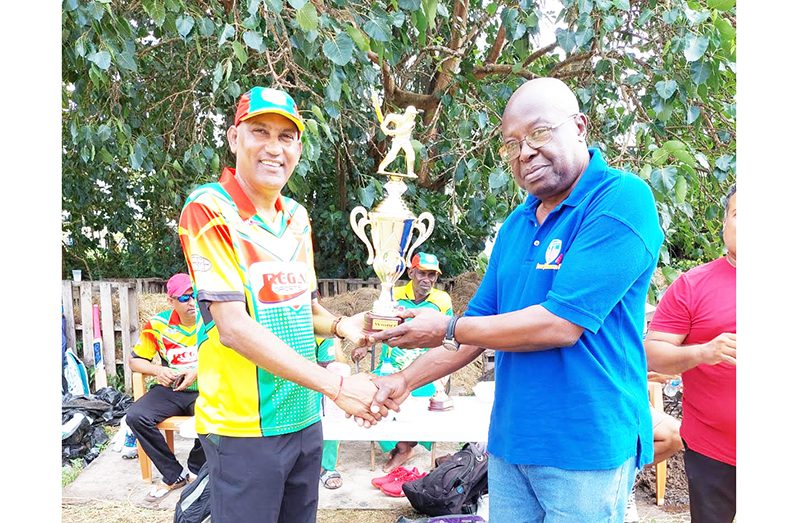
(272, 479)
(713, 488)
(149, 410)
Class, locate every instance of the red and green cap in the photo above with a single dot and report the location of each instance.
(425, 262)
(259, 100)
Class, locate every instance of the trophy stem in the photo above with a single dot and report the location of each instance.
(385, 304)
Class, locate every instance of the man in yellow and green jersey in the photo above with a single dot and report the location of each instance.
(249, 252)
(172, 336)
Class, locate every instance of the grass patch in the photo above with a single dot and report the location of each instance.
(71, 471)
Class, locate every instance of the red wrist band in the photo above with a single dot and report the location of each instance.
(340, 386)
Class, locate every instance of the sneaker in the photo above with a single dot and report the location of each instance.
(129, 448)
(630, 516)
(161, 489)
(394, 488)
(393, 475)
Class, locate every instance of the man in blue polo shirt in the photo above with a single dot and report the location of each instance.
(562, 303)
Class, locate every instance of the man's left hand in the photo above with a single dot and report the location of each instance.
(190, 377)
(426, 330)
(351, 328)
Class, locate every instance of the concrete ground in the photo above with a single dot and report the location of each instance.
(111, 478)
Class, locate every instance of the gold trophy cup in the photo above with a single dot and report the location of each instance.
(392, 223)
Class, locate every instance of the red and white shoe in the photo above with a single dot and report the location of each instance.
(393, 475)
(394, 488)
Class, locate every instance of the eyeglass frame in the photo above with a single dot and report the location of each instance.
(187, 296)
(517, 143)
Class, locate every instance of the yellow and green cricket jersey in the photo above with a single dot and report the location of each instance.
(235, 255)
(176, 344)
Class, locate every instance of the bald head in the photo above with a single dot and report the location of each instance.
(547, 135)
(543, 92)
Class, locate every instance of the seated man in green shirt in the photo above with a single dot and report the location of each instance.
(420, 292)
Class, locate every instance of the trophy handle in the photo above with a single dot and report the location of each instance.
(359, 226)
(424, 223)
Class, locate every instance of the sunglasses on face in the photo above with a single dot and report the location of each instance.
(184, 298)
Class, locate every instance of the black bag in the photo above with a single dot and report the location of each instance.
(194, 505)
(454, 486)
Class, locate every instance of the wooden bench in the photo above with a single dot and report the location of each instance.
(661, 468)
(169, 426)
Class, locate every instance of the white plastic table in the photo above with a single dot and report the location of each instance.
(467, 421)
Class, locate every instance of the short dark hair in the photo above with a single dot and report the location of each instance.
(732, 191)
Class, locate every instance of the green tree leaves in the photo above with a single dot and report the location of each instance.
(149, 89)
(339, 50)
(307, 17)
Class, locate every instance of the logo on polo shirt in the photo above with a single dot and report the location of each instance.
(278, 282)
(179, 355)
(200, 263)
(553, 256)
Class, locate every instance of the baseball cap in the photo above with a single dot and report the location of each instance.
(179, 284)
(425, 261)
(259, 100)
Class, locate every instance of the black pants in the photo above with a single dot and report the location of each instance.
(272, 479)
(713, 488)
(149, 410)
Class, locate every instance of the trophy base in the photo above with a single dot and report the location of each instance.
(378, 322)
(440, 404)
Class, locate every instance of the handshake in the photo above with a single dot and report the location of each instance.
(369, 398)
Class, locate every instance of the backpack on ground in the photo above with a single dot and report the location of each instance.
(454, 486)
(194, 505)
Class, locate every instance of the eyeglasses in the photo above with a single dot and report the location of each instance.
(537, 138)
(184, 298)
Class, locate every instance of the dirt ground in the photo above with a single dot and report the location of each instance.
(676, 494)
(108, 512)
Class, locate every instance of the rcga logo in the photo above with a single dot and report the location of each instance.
(553, 256)
(553, 251)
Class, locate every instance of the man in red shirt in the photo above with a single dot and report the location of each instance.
(694, 333)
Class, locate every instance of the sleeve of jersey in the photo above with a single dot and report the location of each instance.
(444, 302)
(210, 255)
(147, 345)
(673, 312)
(601, 265)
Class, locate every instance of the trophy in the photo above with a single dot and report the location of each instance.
(440, 401)
(392, 222)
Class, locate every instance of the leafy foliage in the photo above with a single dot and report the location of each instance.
(150, 85)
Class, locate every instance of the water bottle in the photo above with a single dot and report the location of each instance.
(672, 387)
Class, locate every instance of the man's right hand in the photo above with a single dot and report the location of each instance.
(165, 376)
(355, 398)
(359, 353)
(721, 349)
(393, 390)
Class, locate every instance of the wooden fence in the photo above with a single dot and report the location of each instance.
(119, 314)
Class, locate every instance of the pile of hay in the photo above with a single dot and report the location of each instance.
(464, 288)
(150, 305)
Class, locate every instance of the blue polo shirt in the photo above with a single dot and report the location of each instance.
(583, 407)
